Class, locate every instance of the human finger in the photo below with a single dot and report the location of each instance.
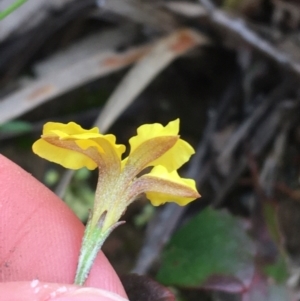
(40, 236)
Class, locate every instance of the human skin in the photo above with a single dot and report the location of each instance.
(40, 238)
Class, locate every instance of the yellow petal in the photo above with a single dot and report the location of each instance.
(148, 152)
(98, 142)
(66, 143)
(173, 158)
(110, 153)
(162, 186)
(65, 157)
(118, 148)
(162, 173)
(70, 128)
(65, 136)
(148, 131)
(158, 199)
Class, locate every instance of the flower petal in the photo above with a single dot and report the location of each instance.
(68, 129)
(149, 131)
(65, 157)
(118, 148)
(83, 136)
(109, 154)
(175, 157)
(158, 199)
(162, 186)
(147, 152)
(172, 159)
(99, 142)
(71, 142)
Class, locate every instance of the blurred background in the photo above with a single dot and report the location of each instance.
(229, 69)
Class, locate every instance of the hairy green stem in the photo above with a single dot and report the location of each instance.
(92, 242)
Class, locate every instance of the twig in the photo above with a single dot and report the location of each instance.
(270, 168)
(263, 184)
(242, 132)
(264, 181)
(260, 140)
(238, 27)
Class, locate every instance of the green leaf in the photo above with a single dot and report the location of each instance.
(213, 251)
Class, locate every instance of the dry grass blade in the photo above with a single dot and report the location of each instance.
(259, 141)
(18, 18)
(55, 84)
(186, 9)
(142, 12)
(139, 77)
(29, 15)
(270, 171)
(90, 46)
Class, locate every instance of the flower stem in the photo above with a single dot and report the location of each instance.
(92, 241)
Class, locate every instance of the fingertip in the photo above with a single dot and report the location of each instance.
(40, 291)
(40, 236)
(90, 294)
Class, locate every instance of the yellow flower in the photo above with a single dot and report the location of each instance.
(119, 182)
(67, 145)
(154, 145)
